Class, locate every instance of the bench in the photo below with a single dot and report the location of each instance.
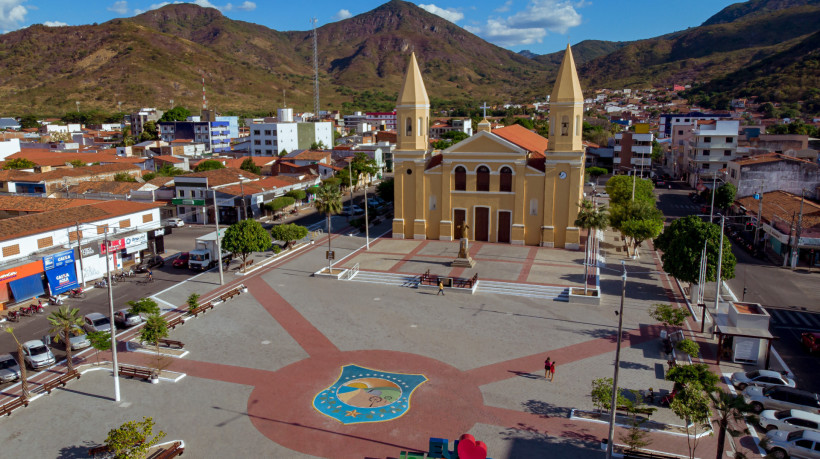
(61, 381)
(173, 451)
(6, 409)
(246, 264)
(171, 342)
(202, 308)
(98, 451)
(172, 324)
(136, 372)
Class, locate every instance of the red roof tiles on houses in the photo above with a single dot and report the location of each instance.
(523, 137)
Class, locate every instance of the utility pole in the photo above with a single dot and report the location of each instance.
(114, 364)
(80, 253)
(789, 246)
(719, 264)
(315, 70)
(759, 215)
(350, 180)
(614, 401)
(797, 231)
(366, 221)
(218, 244)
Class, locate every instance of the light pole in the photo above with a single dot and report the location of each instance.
(719, 264)
(366, 224)
(714, 191)
(613, 402)
(218, 244)
(797, 231)
(114, 364)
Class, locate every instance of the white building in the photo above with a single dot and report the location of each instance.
(270, 139)
(9, 147)
(712, 146)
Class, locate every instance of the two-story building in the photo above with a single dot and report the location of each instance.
(712, 146)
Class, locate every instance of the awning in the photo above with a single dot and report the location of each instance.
(61, 279)
(27, 287)
(744, 332)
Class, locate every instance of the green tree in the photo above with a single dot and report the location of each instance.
(19, 163)
(637, 221)
(246, 237)
(668, 315)
(636, 438)
(697, 374)
(209, 165)
(590, 218)
(328, 201)
(143, 307)
(657, 151)
(28, 122)
(149, 176)
(332, 181)
(692, 405)
(688, 347)
(601, 394)
(682, 242)
(23, 378)
(169, 171)
(65, 320)
(317, 145)
(280, 203)
(124, 177)
(730, 409)
(133, 439)
(155, 329)
(619, 188)
(77, 163)
(725, 196)
(596, 171)
(298, 195)
(177, 113)
(149, 132)
(385, 190)
(193, 301)
(250, 166)
(100, 341)
(288, 233)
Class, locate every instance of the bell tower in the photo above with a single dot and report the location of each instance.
(566, 108)
(413, 111)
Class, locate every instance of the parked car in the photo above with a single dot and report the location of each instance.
(124, 318)
(9, 369)
(96, 322)
(352, 210)
(781, 398)
(695, 197)
(375, 201)
(37, 355)
(602, 194)
(811, 341)
(181, 261)
(800, 443)
(762, 378)
(78, 339)
(174, 222)
(154, 261)
(789, 420)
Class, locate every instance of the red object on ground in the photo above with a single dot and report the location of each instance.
(468, 448)
(811, 341)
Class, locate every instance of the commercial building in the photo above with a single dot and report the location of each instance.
(215, 135)
(710, 149)
(633, 150)
(269, 139)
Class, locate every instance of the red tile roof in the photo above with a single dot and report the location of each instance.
(33, 204)
(523, 137)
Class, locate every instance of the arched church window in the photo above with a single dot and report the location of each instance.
(418, 128)
(482, 179)
(564, 125)
(409, 125)
(506, 179)
(461, 178)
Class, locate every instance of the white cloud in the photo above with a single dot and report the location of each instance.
(54, 24)
(12, 14)
(119, 7)
(342, 14)
(531, 24)
(505, 7)
(245, 6)
(449, 14)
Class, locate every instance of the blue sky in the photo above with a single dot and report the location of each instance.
(542, 26)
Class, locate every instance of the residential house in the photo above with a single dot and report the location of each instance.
(712, 146)
(774, 172)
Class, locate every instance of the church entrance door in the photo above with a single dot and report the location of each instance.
(482, 224)
(459, 216)
(504, 222)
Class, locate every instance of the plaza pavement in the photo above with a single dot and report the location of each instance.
(257, 362)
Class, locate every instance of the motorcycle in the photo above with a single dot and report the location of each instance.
(13, 316)
(55, 300)
(25, 311)
(101, 284)
(76, 293)
(38, 308)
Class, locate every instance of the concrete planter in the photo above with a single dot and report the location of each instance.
(336, 273)
(576, 295)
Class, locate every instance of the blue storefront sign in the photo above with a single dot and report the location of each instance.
(60, 271)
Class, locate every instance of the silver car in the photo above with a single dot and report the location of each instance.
(781, 398)
(801, 443)
(789, 420)
(124, 318)
(78, 339)
(9, 369)
(96, 322)
(37, 355)
(762, 378)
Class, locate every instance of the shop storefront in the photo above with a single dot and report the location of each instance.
(156, 241)
(22, 282)
(60, 271)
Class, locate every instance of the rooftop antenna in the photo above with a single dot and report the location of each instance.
(204, 101)
(284, 99)
(315, 70)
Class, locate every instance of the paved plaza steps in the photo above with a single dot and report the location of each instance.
(401, 280)
(529, 290)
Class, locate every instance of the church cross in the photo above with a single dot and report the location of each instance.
(485, 107)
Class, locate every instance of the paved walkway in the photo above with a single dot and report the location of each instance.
(262, 364)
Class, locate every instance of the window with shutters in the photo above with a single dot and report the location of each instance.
(101, 229)
(10, 250)
(147, 218)
(127, 222)
(42, 243)
(74, 235)
(461, 178)
(506, 179)
(482, 179)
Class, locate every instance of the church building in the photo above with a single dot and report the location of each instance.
(508, 185)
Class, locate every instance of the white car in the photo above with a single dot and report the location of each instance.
(789, 420)
(96, 322)
(37, 355)
(78, 339)
(800, 443)
(125, 318)
(762, 378)
(175, 222)
(9, 369)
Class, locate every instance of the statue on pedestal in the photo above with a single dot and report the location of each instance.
(464, 259)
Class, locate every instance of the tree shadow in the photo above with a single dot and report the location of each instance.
(544, 409)
(527, 441)
(76, 451)
(634, 366)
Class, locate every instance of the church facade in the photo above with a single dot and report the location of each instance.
(507, 185)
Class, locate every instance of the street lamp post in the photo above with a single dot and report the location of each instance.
(218, 244)
(614, 401)
(111, 318)
(719, 265)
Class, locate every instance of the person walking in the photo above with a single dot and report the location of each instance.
(552, 370)
(547, 367)
(440, 288)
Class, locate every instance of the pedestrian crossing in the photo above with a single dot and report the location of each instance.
(794, 319)
(689, 207)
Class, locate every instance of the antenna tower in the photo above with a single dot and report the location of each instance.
(204, 101)
(315, 71)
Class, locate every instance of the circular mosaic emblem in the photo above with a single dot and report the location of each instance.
(369, 392)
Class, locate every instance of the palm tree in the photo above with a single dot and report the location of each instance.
(328, 201)
(22, 362)
(590, 218)
(728, 407)
(65, 319)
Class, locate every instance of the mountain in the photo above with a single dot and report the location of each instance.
(738, 10)
(582, 52)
